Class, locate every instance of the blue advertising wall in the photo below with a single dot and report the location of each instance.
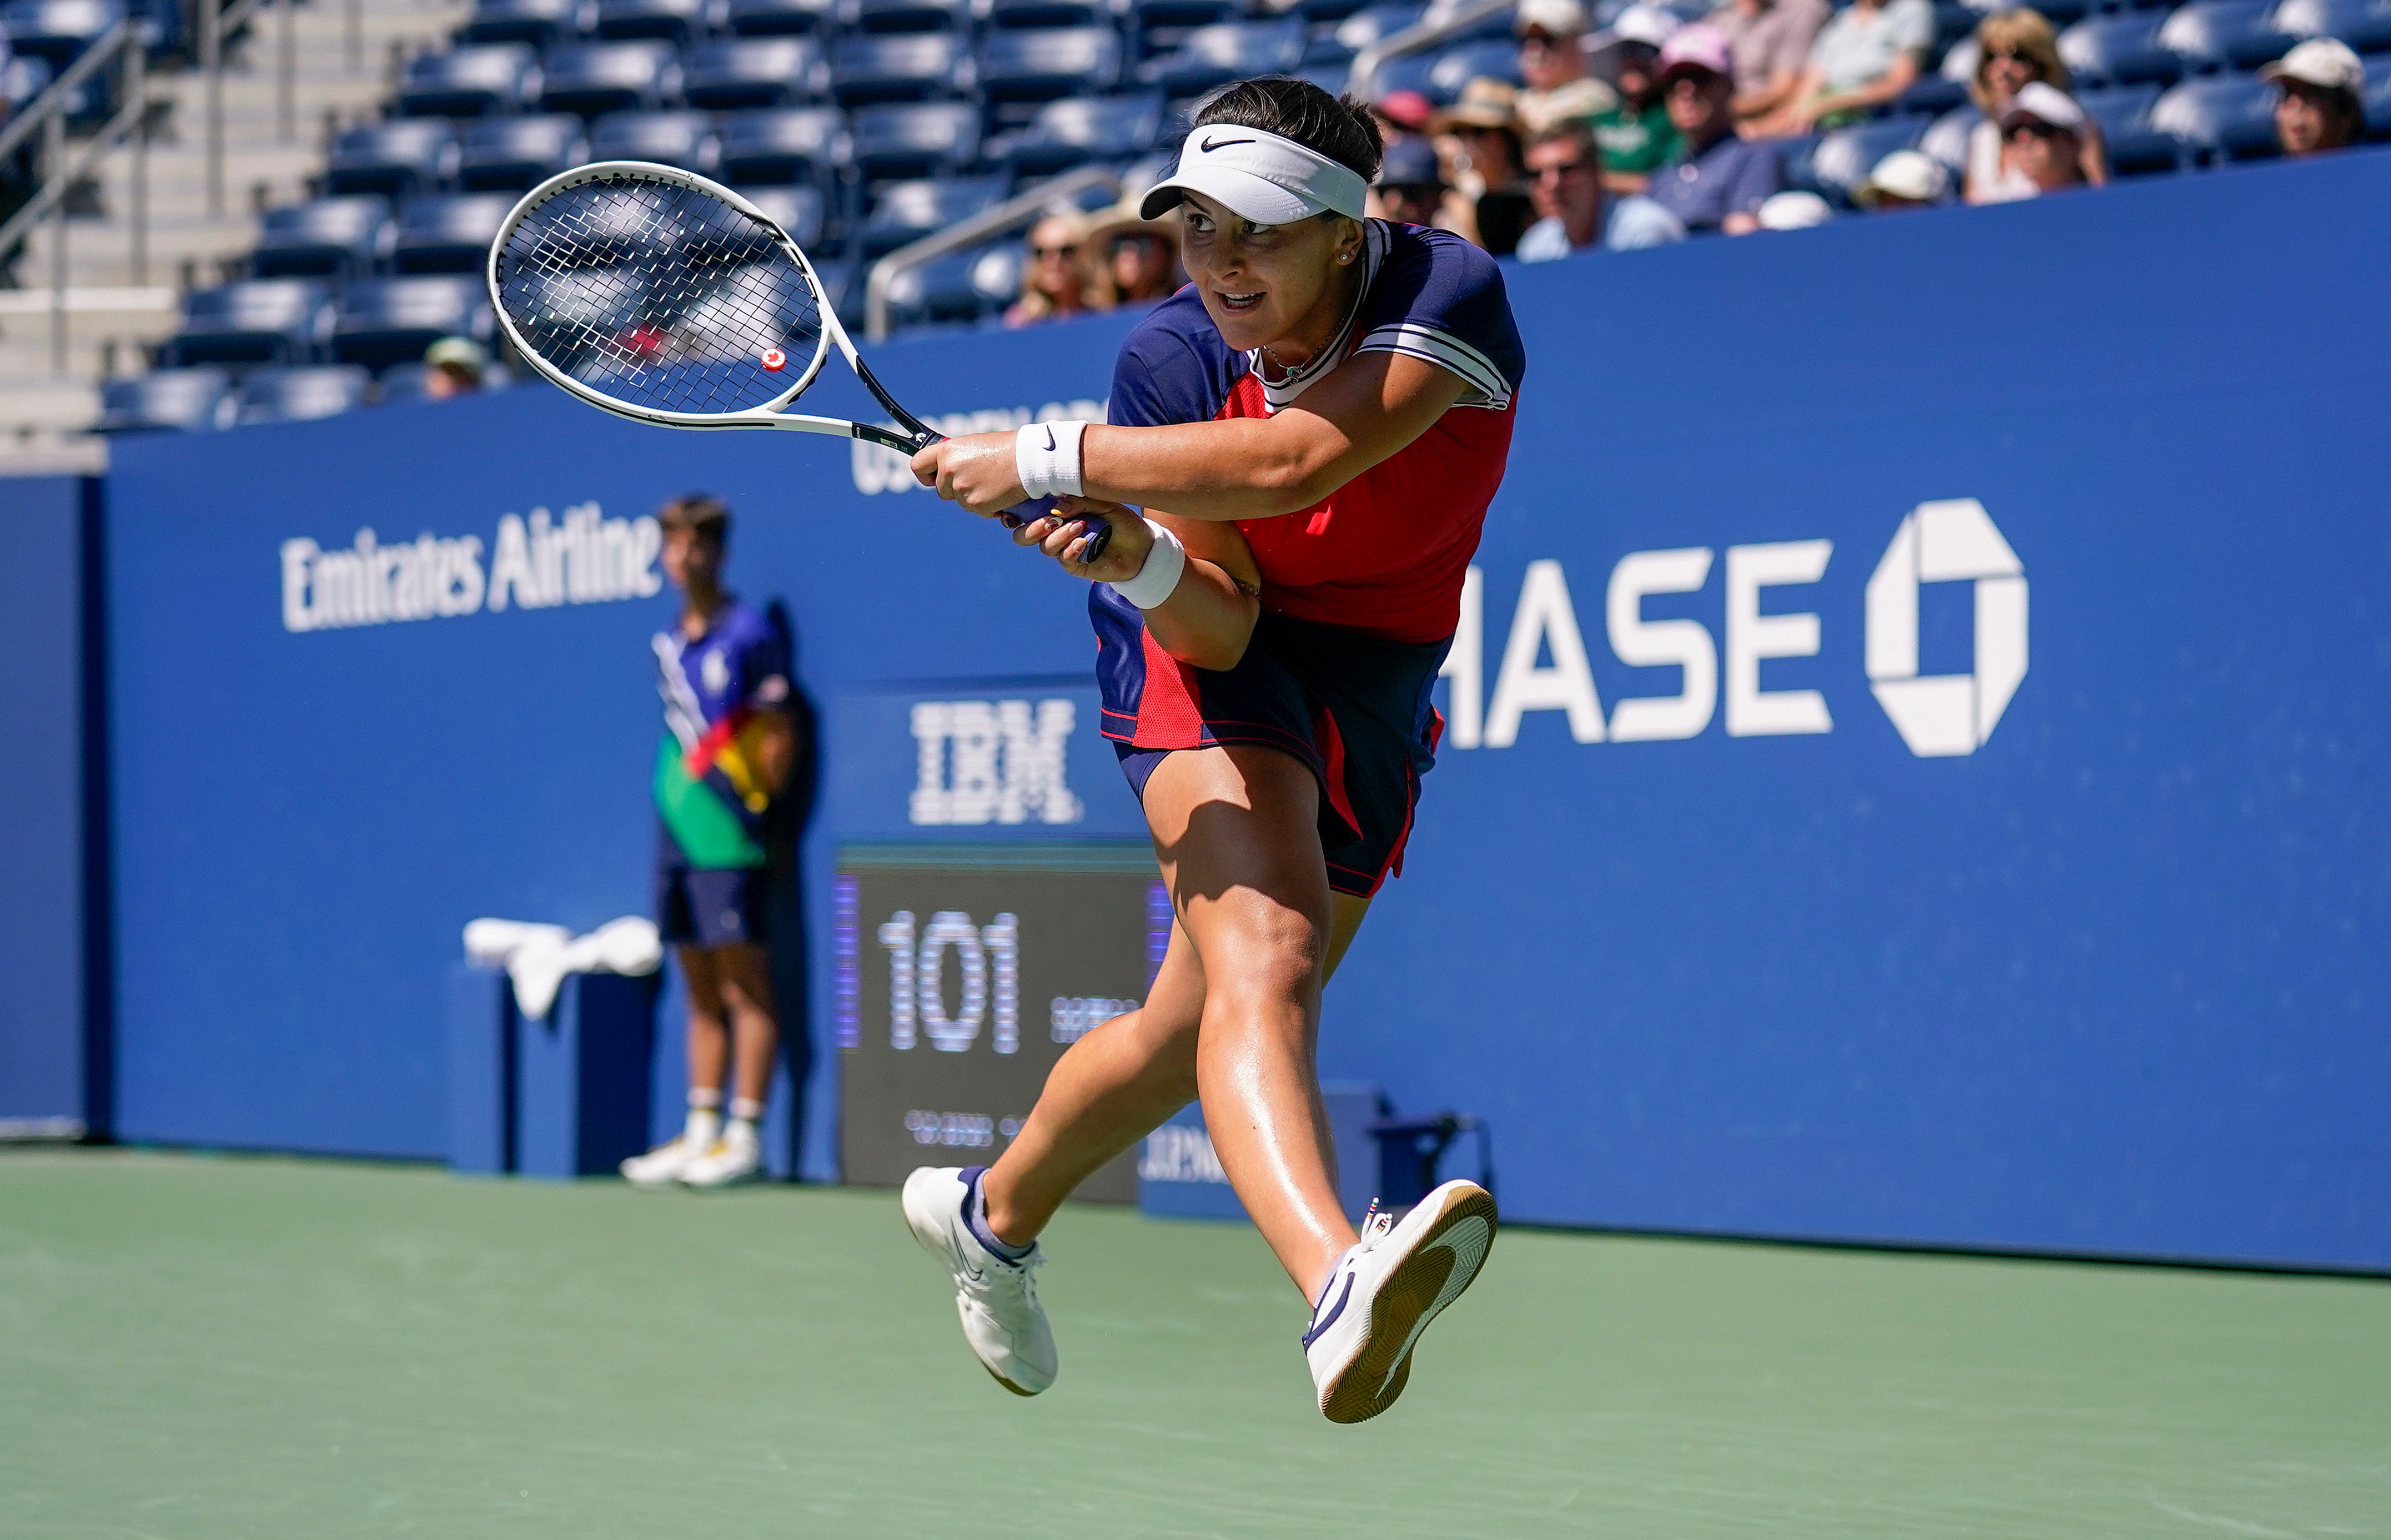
(1916, 757)
(43, 1079)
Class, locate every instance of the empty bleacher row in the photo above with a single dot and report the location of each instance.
(866, 124)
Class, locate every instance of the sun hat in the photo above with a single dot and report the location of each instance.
(2321, 61)
(2037, 101)
(1906, 174)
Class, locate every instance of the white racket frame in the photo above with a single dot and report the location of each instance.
(913, 434)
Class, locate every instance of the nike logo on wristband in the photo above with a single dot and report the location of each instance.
(1050, 436)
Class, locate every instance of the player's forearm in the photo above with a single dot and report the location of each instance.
(1206, 620)
(1241, 468)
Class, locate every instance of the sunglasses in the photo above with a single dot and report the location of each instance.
(2033, 129)
(1562, 170)
(1055, 250)
(2015, 56)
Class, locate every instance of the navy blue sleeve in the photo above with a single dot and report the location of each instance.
(763, 666)
(1437, 297)
(1756, 180)
(1173, 368)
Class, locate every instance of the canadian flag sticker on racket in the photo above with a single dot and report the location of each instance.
(775, 360)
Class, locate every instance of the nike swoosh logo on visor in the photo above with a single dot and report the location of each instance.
(1209, 146)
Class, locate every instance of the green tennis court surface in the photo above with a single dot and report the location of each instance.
(197, 1347)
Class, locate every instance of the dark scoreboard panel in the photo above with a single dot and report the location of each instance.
(963, 974)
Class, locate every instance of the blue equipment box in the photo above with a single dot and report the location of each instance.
(1180, 1177)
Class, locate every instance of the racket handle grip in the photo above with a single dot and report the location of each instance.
(1100, 534)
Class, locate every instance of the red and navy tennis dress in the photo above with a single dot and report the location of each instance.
(1362, 591)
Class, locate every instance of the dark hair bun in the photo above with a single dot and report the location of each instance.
(1339, 127)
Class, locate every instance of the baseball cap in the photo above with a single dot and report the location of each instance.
(1483, 104)
(2044, 103)
(1906, 174)
(1405, 109)
(1642, 24)
(1795, 211)
(461, 352)
(1259, 176)
(1559, 17)
(1699, 46)
(1582, 98)
(1410, 163)
(2324, 61)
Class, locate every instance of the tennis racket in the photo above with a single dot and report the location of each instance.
(657, 295)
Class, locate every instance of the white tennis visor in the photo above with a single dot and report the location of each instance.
(1261, 176)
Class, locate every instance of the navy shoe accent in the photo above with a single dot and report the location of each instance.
(975, 1218)
(1325, 1322)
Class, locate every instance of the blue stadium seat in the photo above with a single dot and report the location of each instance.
(57, 31)
(1319, 11)
(1494, 59)
(327, 237)
(805, 144)
(1149, 14)
(393, 320)
(538, 22)
(2220, 118)
(1845, 157)
(1331, 77)
(165, 401)
(674, 21)
(905, 211)
(449, 235)
(962, 286)
(1002, 14)
(2133, 146)
(470, 81)
(297, 395)
(1946, 140)
(1375, 24)
(1930, 96)
(899, 67)
(781, 18)
(2118, 50)
(1079, 129)
(258, 321)
(909, 16)
(798, 211)
(2212, 34)
(1214, 56)
(24, 77)
(743, 72)
(595, 78)
(2378, 97)
(1040, 64)
(910, 139)
(402, 156)
(685, 139)
(518, 152)
(2365, 25)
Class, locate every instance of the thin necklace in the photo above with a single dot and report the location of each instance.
(1290, 370)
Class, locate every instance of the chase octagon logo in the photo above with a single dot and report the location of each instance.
(1943, 714)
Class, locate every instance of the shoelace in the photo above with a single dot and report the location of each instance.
(1378, 1223)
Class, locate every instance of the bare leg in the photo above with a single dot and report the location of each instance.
(709, 1044)
(745, 979)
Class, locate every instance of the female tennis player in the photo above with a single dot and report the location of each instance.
(1324, 413)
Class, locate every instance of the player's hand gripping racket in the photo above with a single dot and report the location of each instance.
(657, 295)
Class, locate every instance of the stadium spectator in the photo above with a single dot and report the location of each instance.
(1636, 137)
(1906, 179)
(2322, 104)
(1479, 136)
(2042, 138)
(1770, 41)
(1138, 257)
(455, 366)
(730, 746)
(1056, 285)
(1567, 168)
(2015, 48)
(1718, 181)
(1411, 188)
(1551, 60)
(1867, 54)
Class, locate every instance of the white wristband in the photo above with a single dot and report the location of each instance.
(1046, 457)
(1158, 578)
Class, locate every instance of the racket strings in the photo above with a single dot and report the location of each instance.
(660, 296)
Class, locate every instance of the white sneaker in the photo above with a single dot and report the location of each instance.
(736, 1157)
(1385, 1291)
(660, 1168)
(998, 1300)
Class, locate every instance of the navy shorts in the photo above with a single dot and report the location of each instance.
(712, 908)
(1354, 708)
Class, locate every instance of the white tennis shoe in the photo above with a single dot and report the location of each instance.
(1384, 1292)
(736, 1158)
(998, 1300)
(660, 1168)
